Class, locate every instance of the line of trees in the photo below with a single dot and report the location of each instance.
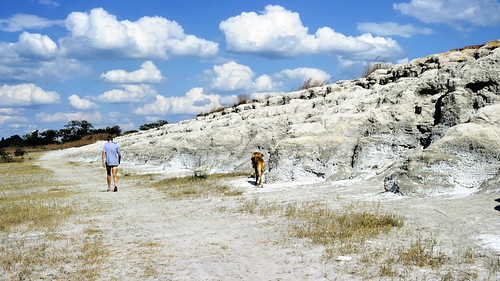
(73, 131)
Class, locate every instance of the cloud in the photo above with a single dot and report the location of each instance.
(148, 73)
(302, 74)
(127, 126)
(21, 62)
(130, 93)
(195, 101)
(279, 32)
(11, 116)
(11, 111)
(392, 29)
(26, 95)
(50, 3)
(99, 33)
(232, 76)
(4, 119)
(35, 45)
(265, 83)
(13, 122)
(92, 117)
(81, 104)
(452, 12)
(19, 22)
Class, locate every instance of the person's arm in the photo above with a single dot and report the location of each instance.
(119, 157)
(103, 156)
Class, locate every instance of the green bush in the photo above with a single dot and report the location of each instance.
(4, 156)
(19, 152)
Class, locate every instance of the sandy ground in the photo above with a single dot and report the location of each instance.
(149, 236)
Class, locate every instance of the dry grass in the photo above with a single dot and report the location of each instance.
(372, 67)
(30, 197)
(32, 212)
(34, 207)
(359, 231)
(312, 83)
(197, 187)
(341, 231)
(93, 255)
(421, 253)
(241, 99)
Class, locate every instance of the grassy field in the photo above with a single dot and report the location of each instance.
(43, 234)
(34, 210)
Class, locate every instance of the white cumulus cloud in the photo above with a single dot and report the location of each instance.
(129, 93)
(232, 76)
(392, 29)
(20, 22)
(148, 73)
(26, 95)
(22, 62)
(279, 32)
(453, 12)
(35, 45)
(92, 117)
(81, 104)
(302, 74)
(195, 101)
(100, 33)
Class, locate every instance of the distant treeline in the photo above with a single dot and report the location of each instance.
(73, 131)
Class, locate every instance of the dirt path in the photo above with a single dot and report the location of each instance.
(148, 236)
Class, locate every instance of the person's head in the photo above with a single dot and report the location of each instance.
(110, 138)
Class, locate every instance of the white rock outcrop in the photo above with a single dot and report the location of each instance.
(428, 126)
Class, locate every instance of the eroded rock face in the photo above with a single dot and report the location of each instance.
(430, 125)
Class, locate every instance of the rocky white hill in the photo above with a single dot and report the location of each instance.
(431, 125)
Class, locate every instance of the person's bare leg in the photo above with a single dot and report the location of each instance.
(109, 182)
(115, 176)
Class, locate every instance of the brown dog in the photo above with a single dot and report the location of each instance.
(258, 165)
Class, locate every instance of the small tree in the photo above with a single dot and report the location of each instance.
(158, 124)
(19, 152)
(115, 130)
(49, 137)
(32, 139)
(75, 130)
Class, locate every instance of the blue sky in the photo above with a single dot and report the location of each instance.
(129, 63)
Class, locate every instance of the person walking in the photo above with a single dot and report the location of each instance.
(111, 157)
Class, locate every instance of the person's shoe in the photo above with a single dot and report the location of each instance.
(116, 189)
(108, 190)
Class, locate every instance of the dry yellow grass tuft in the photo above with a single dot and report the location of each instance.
(340, 231)
(372, 67)
(197, 187)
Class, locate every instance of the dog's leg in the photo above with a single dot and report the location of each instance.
(256, 172)
(260, 176)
